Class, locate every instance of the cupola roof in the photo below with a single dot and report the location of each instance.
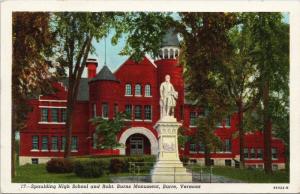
(170, 38)
(104, 75)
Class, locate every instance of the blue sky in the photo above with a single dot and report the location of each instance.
(113, 59)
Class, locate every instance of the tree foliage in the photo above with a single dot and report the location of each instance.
(32, 45)
(106, 130)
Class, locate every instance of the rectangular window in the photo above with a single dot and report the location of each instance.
(192, 147)
(148, 113)
(274, 153)
(246, 153)
(259, 153)
(193, 116)
(227, 121)
(252, 153)
(116, 109)
(44, 114)
(35, 142)
(34, 161)
(44, 143)
(94, 110)
(63, 115)
(227, 145)
(128, 110)
(104, 110)
(54, 114)
(128, 90)
(54, 143)
(138, 112)
(201, 147)
(74, 143)
(63, 143)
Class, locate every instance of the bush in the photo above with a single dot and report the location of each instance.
(184, 160)
(59, 165)
(89, 168)
(117, 165)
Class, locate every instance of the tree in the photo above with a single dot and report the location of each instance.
(240, 76)
(106, 130)
(76, 32)
(32, 45)
(205, 133)
(205, 45)
(270, 52)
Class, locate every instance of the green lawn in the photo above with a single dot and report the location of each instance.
(36, 173)
(250, 175)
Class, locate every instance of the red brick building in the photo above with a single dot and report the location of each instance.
(134, 88)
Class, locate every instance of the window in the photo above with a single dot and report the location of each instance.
(246, 153)
(227, 145)
(176, 53)
(94, 110)
(274, 167)
(171, 54)
(192, 118)
(44, 143)
(227, 162)
(274, 153)
(227, 121)
(35, 142)
(116, 109)
(192, 147)
(44, 115)
(138, 90)
(63, 143)
(138, 112)
(34, 161)
(128, 110)
(128, 90)
(252, 153)
(54, 114)
(74, 143)
(147, 90)
(148, 114)
(54, 143)
(63, 115)
(201, 147)
(104, 110)
(259, 153)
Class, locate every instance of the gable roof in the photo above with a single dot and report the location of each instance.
(104, 74)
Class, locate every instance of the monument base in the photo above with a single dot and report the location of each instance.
(170, 172)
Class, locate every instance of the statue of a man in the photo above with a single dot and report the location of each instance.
(168, 97)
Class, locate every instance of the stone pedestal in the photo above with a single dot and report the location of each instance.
(168, 167)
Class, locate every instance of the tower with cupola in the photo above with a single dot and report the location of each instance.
(168, 63)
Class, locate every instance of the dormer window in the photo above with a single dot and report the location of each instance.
(128, 90)
(147, 90)
(138, 90)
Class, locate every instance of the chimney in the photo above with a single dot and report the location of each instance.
(91, 64)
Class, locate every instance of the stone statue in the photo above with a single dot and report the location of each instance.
(168, 97)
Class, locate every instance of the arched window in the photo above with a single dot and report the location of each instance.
(161, 54)
(128, 90)
(166, 54)
(171, 54)
(147, 90)
(176, 53)
(138, 90)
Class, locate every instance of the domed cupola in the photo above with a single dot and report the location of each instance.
(170, 45)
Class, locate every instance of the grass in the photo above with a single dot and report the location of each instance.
(36, 173)
(250, 175)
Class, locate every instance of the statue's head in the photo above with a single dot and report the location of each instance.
(167, 78)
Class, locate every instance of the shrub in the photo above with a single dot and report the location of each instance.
(117, 165)
(59, 165)
(184, 160)
(89, 168)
